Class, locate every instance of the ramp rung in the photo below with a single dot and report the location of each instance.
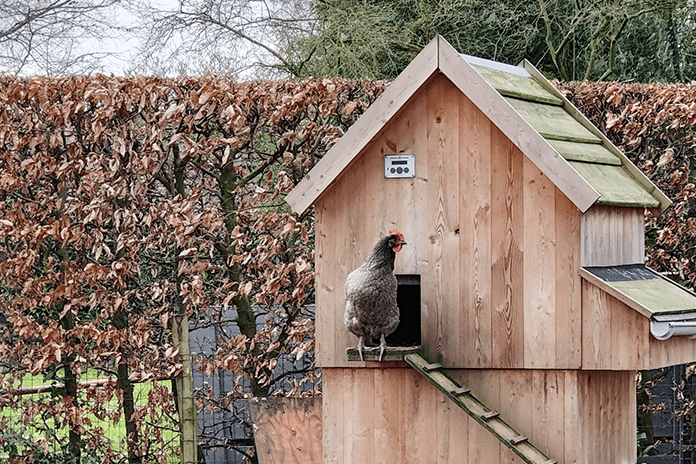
(488, 415)
(432, 367)
(518, 439)
(461, 391)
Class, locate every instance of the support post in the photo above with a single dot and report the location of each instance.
(188, 415)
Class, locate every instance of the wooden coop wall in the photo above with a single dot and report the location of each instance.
(396, 416)
(617, 337)
(496, 244)
(613, 236)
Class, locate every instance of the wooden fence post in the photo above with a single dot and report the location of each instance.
(188, 415)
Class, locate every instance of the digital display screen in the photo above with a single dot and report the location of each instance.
(399, 162)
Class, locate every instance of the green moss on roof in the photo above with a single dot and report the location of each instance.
(553, 122)
(587, 152)
(653, 293)
(615, 185)
(658, 295)
(512, 85)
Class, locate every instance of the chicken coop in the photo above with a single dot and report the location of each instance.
(526, 307)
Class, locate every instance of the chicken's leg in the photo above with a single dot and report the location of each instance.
(382, 346)
(361, 345)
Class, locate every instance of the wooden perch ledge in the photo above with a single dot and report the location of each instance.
(391, 353)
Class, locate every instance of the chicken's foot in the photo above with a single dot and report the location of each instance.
(382, 347)
(361, 346)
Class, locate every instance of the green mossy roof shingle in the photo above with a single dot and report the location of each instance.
(583, 149)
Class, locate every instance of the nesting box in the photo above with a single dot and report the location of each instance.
(524, 271)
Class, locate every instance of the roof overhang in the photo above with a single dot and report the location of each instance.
(670, 307)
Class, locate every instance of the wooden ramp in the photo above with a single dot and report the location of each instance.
(488, 418)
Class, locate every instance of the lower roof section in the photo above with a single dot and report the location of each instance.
(670, 307)
(642, 289)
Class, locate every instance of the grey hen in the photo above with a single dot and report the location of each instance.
(371, 310)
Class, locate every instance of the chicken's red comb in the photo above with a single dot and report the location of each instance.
(397, 233)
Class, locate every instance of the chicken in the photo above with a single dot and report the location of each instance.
(371, 310)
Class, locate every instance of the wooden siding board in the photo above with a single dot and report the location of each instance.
(552, 122)
(390, 433)
(333, 389)
(452, 433)
(440, 286)
(507, 256)
(348, 226)
(597, 336)
(324, 290)
(539, 269)
(548, 406)
(586, 152)
(615, 185)
(475, 235)
(568, 284)
(359, 419)
(419, 405)
(512, 85)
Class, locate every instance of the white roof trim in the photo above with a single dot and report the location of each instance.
(508, 68)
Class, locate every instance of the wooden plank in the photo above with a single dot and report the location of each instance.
(347, 226)
(634, 234)
(391, 425)
(452, 433)
(507, 257)
(630, 334)
(552, 122)
(539, 268)
(515, 402)
(548, 411)
(287, 430)
(612, 235)
(325, 290)
(512, 85)
(334, 383)
(359, 416)
(586, 152)
(475, 234)
(440, 286)
(365, 128)
(572, 438)
(568, 284)
(383, 208)
(636, 173)
(596, 336)
(615, 185)
(391, 353)
(515, 127)
(419, 406)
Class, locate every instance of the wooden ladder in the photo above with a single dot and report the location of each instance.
(488, 418)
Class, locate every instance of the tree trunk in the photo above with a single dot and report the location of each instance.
(126, 386)
(70, 382)
(674, 46)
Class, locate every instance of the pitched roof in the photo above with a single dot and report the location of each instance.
(533, 114)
